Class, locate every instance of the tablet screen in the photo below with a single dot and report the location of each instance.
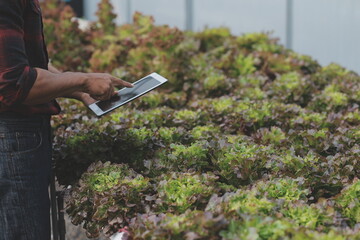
(127, 94)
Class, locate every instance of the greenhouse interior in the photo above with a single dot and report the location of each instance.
(254, 136)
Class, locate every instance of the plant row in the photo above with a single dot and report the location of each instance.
(248, 140)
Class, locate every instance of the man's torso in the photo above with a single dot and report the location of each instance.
(35, 49)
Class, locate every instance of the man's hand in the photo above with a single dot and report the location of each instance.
(83, 96)
(100, 86)
(86, 87)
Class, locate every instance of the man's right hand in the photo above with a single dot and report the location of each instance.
(48, 86)
(100, 86)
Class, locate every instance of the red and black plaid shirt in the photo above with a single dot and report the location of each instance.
(22, 48)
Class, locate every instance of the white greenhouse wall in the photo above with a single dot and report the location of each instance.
(327, 30)
(242, 16)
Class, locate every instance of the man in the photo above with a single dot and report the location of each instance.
(27, 92)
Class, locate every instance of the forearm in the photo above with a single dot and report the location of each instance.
(49, 86)
(75, 95)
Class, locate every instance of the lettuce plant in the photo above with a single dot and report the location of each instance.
(349, 202)
(207, 132)
(170, 135)
(106, 17)
(283, 188)
(179, 192)
(107, 197)
(256, 228)
(189, 225)
(242, 162)
(305, 215)
(183, 157)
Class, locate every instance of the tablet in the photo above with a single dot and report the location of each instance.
(126, 95)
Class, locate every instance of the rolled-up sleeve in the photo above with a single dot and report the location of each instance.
(16, 76)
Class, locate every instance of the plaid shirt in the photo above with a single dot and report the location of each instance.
(22, 48)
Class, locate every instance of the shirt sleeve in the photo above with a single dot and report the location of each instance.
(16, 75)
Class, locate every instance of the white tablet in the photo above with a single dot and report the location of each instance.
(126, 95)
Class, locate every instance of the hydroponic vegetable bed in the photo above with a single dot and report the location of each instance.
(248, 140)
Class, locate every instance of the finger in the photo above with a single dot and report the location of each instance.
(101, 97)
(87, 100)
(115, 97)
(121, 83)
(110, 92)
(96, 97)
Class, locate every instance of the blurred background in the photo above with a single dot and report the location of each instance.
(327, 30)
